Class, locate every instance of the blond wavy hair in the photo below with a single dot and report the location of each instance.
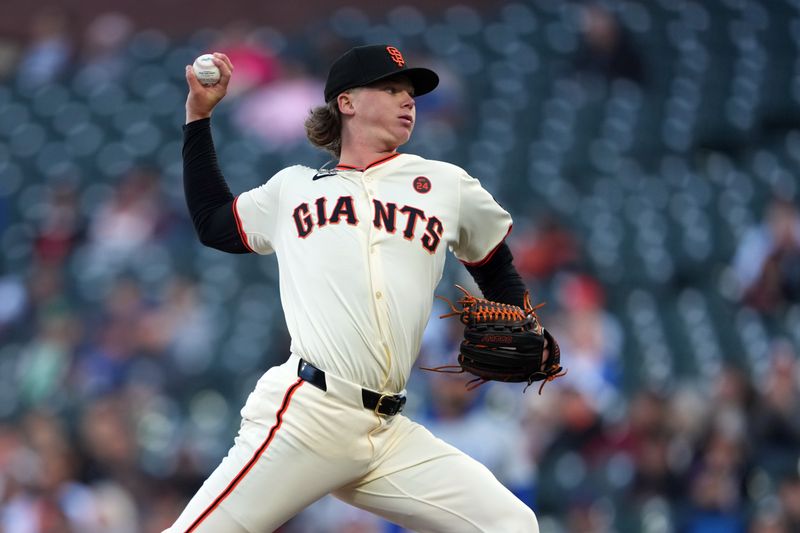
(324, 127)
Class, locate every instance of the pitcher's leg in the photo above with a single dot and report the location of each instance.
(427, 485)
(269, 474)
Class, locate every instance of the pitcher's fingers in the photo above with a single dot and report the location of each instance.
(191, 79)
(225, 71)
(225, 59)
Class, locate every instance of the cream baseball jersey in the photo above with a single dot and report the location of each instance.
(360, 252)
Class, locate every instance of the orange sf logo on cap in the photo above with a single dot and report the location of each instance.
(396, 56)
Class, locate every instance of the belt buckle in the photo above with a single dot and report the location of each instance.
(396, 410)
(378, 405)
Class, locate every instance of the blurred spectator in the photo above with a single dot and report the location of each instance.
(44, 363)
(126, 225)
(48, 497)
(276, 111)
(50, 49)
(46, 296)
(716, 490)
(605, 48)
(767, 262)
(130, 217)
(106, 359)
(645, 436)
(690, 409)
(255, 63)
(179, 326)
(9, 52)
(590, 338)
(575, 443)
(107, 436)
(776, 420)
(61, 225)
(714, 504)
(102, 53)
(545, 249)
(734, 400)
(768, 522)
(733, 389)
(13, 302)
(789, 494)
(586, 515)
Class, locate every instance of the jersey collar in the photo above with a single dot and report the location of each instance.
(373, 164)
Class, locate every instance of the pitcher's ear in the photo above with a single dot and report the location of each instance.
(345, 103)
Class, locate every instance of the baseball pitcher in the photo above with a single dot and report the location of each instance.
(360, 247)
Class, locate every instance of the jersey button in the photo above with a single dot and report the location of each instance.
(378, 295)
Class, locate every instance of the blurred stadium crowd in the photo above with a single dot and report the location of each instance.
(648, 151)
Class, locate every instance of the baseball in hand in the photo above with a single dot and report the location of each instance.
(206, 71)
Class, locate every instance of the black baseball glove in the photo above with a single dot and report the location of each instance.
(503, 342)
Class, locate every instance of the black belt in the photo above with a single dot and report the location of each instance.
(383, 404)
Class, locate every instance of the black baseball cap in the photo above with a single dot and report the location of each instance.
(363, 65)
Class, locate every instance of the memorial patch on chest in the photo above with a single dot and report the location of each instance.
(414, 223)
(422, 184)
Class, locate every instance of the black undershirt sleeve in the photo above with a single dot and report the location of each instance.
(497, 278)
(208, 197)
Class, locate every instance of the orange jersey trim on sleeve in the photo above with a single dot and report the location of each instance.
(491, 253)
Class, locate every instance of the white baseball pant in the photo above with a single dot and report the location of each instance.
(298, 443)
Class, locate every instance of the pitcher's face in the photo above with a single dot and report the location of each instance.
(386, 111)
